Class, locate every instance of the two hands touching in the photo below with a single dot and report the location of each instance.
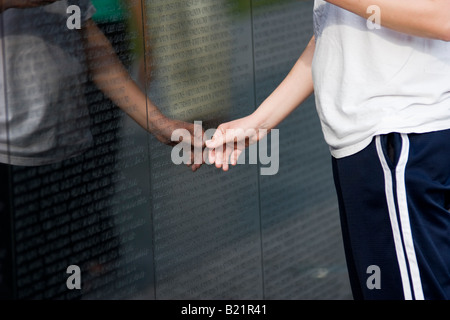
(229, 140)
(223, 149)
(137, 105)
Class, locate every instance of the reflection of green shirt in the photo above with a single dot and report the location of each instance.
(108, 10)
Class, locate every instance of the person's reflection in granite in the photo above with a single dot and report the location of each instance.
(57, 183)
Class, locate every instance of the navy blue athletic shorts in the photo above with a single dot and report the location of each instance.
(394, 200)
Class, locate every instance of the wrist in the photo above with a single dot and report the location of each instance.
(261, 120)
(157, 122)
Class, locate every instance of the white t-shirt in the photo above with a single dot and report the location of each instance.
(375, 81)
(43, 112)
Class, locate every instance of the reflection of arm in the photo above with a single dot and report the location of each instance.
(293, 90)
(423, 18)
(113, 79)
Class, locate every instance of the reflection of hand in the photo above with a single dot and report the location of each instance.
(23, 4)
(166, 126)
(230, 140)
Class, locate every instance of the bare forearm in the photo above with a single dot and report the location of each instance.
(114, 80)
(292, 91)
(423, 18)
(123, 91)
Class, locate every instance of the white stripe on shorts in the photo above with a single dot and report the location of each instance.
(402, 234)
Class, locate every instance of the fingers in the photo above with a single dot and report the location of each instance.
(234, 156)
(229, 151)
(212, 155)
(198, 135)
(218, 139)
(223, 149)
(195, 167)
(196, 160)
(225, 155)
(216, 146)
(189, 136)
(218, 156)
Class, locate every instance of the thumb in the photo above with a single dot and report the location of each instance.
(218, 139)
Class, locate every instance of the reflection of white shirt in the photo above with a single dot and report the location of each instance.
(43, 113)
(370, 82)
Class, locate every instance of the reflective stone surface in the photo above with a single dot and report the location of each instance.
(140, 227)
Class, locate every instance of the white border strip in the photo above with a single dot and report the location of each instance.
(404, 219)
(389, 189)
